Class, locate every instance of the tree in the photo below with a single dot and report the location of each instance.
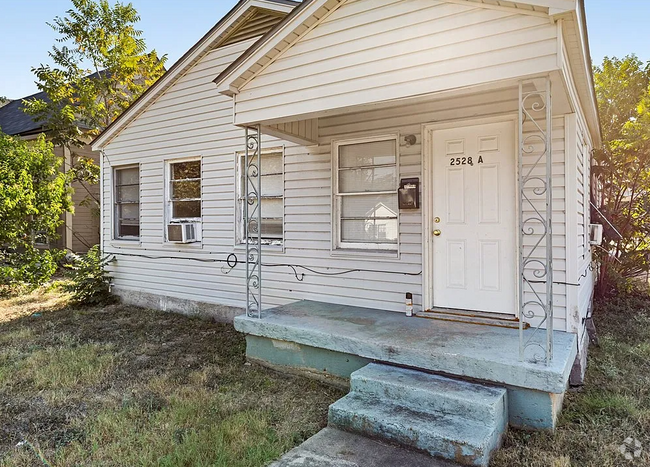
(622, 170)
(34, 194)
(101, 67)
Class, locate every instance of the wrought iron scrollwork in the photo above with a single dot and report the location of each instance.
(536, 222)
(253, 222)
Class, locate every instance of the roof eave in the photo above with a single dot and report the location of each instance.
(239, 10)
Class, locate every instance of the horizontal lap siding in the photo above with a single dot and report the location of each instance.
(559, 221)
(585, 275)
(85, 221)
(369, 50)
(192, 120)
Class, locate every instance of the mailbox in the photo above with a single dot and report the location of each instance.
(409, 193)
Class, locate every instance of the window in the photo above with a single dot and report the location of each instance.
(127, 203)
(184, 191)
(272, 174)
(365, 194)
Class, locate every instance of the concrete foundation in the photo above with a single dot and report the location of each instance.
(219, 313)
(580, 365)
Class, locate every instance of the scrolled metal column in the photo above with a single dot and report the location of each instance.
(253, 221)
(535, 223)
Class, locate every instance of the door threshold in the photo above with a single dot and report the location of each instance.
(483, 318)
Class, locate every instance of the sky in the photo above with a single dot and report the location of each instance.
(616, 28)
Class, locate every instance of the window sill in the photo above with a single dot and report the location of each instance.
(363, 253)
(125, 243)
(183, 246)
(276, 249)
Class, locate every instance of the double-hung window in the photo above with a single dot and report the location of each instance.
(127, 203)
(272, 194)
(183, 211)
(366, 214)
(184, 191)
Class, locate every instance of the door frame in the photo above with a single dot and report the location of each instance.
(427, 205)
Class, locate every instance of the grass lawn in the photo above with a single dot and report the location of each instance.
(613, 405)
(122, 386)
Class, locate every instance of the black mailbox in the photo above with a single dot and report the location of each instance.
(409, 193)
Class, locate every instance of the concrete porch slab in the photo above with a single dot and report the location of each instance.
(334, 448)
(471, 351)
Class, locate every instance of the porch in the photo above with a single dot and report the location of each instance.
(332, 341)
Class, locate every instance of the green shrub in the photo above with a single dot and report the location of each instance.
(27, 269)
(90, 282)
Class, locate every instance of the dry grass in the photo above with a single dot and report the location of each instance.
(613, 405)
(122, 386)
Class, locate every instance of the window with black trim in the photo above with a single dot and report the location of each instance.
(272, 175)
(365, 187)
(127, 203)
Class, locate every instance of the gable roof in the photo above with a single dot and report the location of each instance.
(230, 29)
(311, 12)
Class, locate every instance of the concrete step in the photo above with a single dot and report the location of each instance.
(465, 441)
(334, 448)
(433, 393)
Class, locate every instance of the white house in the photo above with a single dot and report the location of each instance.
(372, 151)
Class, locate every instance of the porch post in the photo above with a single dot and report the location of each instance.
(253, 221)
(536, 220)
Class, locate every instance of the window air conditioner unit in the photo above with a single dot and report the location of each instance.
(595, 234)
(183, 233)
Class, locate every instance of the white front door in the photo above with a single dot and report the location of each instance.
(474, 218)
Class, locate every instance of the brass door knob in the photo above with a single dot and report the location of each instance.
(437, 232)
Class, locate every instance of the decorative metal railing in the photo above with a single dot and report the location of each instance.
(253, 221)
(535, 221)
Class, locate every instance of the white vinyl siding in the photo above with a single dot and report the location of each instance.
(365, 183)
(193, 118)
(378, 50)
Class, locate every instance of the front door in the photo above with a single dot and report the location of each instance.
(474, 218)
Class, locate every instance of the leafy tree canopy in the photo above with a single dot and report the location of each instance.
(34, 194)
(622, 170)
(100, 68)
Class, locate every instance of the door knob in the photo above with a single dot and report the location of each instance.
(437, 232)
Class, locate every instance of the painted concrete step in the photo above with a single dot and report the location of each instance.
(335, 448)
(433, 393)
(464, 441)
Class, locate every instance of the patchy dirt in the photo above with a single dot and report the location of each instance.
(143, 362)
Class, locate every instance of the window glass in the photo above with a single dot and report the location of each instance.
(272, 180)
(185, 190)
(366, 195)
(127, 203)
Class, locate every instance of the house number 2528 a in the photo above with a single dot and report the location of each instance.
(466, 160)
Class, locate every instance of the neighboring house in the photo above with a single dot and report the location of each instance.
(437, 150)
(80, 230)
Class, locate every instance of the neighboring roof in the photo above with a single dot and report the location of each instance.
(219, 32)
(15, 121)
